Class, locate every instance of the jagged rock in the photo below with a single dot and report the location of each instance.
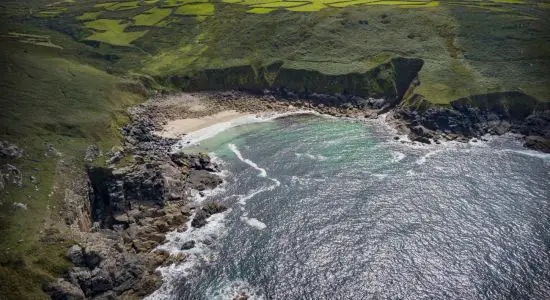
(75, 254)
(148, 284)
(110, 295)
(92, 153)
(123, 219)
(9, 150)
(419, 138)
(205, 212)
(175, 259)
(92, 258)
(188, 245)
(161, 226)
(538, 143)
(79, 275)
(115, 155)
(63, 290)
(11, 173)
(472, 117)
(99, 282)
(202, 180)
(501, 128)
(241, 296)
(200, 219)
(214, 208)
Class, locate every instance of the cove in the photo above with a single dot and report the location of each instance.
(326, 208)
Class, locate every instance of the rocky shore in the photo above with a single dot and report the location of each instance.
(471, 118)
(146, 190)
(143, 193)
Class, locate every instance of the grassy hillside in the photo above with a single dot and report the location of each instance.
(49, 97)
(469, 47)
(70, 68)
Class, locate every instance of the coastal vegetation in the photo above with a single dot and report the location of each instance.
(73, 67)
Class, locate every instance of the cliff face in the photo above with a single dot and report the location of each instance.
(395, 84)
(389, 80)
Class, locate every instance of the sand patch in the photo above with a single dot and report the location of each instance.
(178, 128)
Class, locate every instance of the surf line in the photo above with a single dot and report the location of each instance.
(242, 201)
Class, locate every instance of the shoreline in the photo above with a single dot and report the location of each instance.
(149, 188)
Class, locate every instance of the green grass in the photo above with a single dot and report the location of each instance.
(152, 16)
(260, 10)
(280, 4)
(309, 7)
(124, 5)
(112, 32)
(196, 9)
(87, 16)
(49, 96)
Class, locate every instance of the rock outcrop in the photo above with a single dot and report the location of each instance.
(9, 151)
(472, 117)
(143, 193)
(205, 212)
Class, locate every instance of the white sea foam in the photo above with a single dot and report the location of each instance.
(231, 289)
(247, 161)
(202, 253)
(397, 156)
(253, 222)
(532, 153)
(380, 176)
(311, 156)
(244, 198)
(423, 159)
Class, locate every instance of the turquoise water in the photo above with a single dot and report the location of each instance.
(324, 208)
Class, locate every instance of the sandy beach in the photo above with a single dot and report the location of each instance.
(180, 127)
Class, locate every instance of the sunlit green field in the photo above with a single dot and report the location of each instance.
(469, 47)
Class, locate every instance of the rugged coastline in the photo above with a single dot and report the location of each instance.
(145, 191)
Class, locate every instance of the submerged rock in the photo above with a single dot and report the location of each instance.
(188, 245)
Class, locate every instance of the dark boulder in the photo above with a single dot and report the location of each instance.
(9, 150)
(92, 258)
(205, 212)
(200, 219)
(188, 245)
(63, 290)
(75, 254)
(214, 208)
(538, 143)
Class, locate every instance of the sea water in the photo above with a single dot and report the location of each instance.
(326, 208)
